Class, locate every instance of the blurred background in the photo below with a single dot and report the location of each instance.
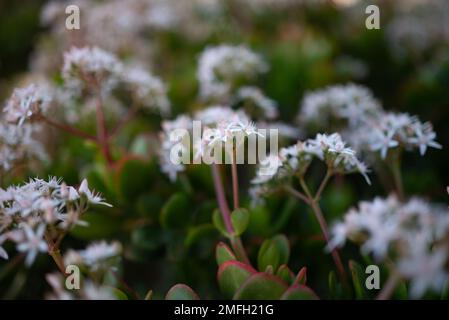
(307, 44)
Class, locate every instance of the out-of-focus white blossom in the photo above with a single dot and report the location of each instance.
(414, 235)
(255, 98)
(88, 290)
(88, 67)
(418, 27)
(182, 124)
(25, 102)
(96, 256)
(149, 90)
(349, 103)
(19, 144)
(221, 67)
(393, 130)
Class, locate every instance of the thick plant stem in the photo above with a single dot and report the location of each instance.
(226, 214)
(389, 287)
(235, 182)
(102, 133)
(323, 224)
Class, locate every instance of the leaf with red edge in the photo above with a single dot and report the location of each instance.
(301, 278)
(299, 292)
(285, 274)
(223, 253)
(181, 292)
(231, 275)
(261, 286)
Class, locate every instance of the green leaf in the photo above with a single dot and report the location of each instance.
(223, 254)
(219, 223)
(149, 205)
(197, 233)
(135, 178)
(231, 275)
(285, 274)
(181, 292)
(358, 279)
(148, 238)
(101, 225)
(274, 252)
(335, 288)
(240, 221)
(175, 213)
(299, 292)
(119, 294)
(261, 286)
(301, 278)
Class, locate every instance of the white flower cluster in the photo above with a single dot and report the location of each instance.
(296, 159)
(418, 27)
(255, 97)
(88, 290)
(222, 67)
(395, 130)
(350, 103)
(414, 235)
(170, 127)
(97, 256)
(29, 210)
(128, 33)
(88, 67)
(219, 124)
(354, 111)
(25, 102)
(18, 142)
(148, 89)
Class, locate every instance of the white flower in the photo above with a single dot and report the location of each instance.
(352, 103)
(182, 123)
(255, 96)
(95, 256)
(220, 66)
(33, 244)
(383, 141)
(412, 235)
(90, 66)
(426, 269)
(18, 143)
(92, 197)
(147, 88)
(25, 102)
(425, 137)
(296, 159)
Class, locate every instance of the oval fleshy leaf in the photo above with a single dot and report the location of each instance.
(181, 292)
(274, 252)
(261, 286)
(299, 292)
(231, 275)
(223, 254)
(174, 213)
(301, 278)
(240, 221)
(285, 274)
